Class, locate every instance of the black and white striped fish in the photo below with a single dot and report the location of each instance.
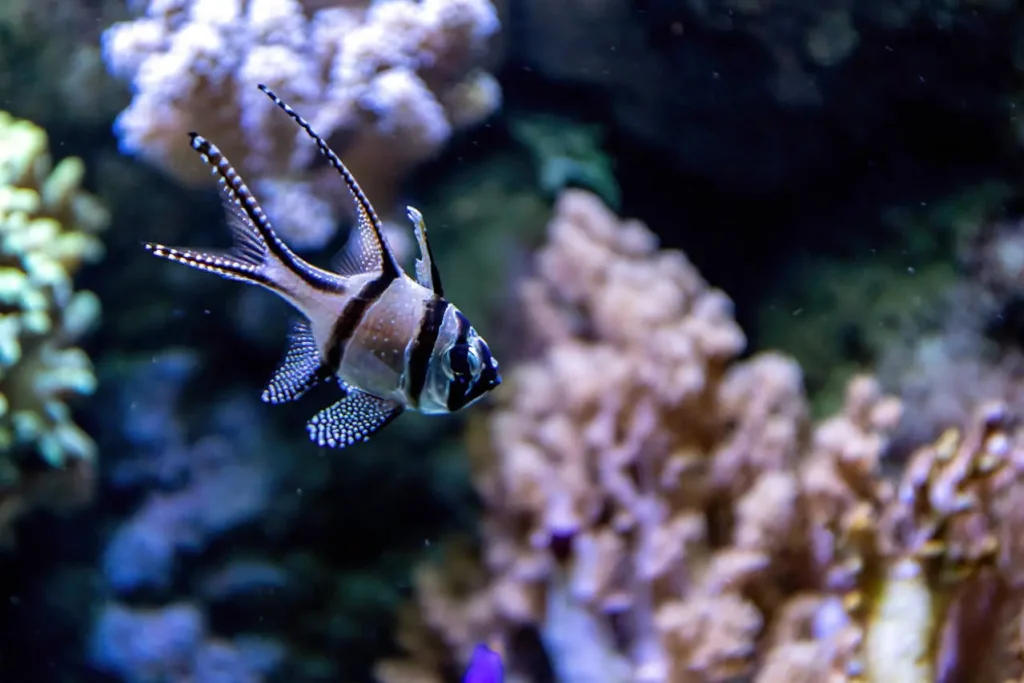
(391, 342)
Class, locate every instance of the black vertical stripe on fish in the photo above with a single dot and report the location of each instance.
(388, 263)
(461, 339)
(423, 346)
(239, 193)
(352, 315)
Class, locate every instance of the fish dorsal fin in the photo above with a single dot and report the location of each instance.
(373, 252)
(354, 418)
(426, 269)
(301, 369)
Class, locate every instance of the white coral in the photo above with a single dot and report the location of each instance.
(395, 76)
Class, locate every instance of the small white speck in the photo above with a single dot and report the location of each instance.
(911, 270)
(798, 311)
(298, 492)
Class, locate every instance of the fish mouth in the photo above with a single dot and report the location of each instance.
(490, 378)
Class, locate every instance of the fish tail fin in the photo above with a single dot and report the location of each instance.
(248, 259)
(256, 244)
(252, 234)
(229, 265)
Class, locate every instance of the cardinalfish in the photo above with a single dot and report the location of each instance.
(392, 342)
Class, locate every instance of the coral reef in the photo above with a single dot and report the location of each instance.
(143, 645)
(192, 486)
(657, 510)
(387, 83)
(48, 229)
(218, 513)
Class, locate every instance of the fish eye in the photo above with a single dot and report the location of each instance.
(473, 357)
(462, 361)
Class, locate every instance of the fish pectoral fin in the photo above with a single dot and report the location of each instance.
(354, 418)
(301, 369)
(426, 270)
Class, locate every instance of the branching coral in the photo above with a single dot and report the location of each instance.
(48, 229)
(386, 81)
(658, 511)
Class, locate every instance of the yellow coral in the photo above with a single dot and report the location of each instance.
(48, 228)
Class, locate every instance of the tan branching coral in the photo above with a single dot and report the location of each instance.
(48, 228)
(657, 510)
(621, 451)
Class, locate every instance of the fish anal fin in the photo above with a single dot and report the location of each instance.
(352, 419)
(427, 273)
(300, 370)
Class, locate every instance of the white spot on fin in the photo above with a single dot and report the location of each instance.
(354, 418)
(301, 369)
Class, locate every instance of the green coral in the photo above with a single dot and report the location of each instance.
(48, 229)
(568, 153)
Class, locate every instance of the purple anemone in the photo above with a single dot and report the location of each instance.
(484, 666)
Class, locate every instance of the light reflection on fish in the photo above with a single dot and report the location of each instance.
(391, 342)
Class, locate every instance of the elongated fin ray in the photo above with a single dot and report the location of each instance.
(227, 265)
(426, 269)
(354, 418)
(301, 369)
(373, 253)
